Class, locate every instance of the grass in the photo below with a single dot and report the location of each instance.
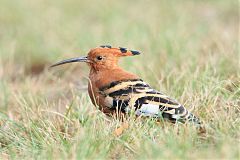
(190, 51)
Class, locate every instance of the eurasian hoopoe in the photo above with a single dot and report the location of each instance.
(113, 89)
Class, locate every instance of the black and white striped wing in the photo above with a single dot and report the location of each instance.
(138, 96)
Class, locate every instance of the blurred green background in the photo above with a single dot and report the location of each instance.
(39, 32)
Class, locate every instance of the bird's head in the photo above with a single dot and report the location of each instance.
(103, 57)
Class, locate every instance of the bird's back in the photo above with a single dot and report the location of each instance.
(135, 95)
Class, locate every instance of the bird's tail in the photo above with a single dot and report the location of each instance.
(193, 119)
(196, 121)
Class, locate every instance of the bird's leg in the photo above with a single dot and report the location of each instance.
(124, 124)
(120, 130)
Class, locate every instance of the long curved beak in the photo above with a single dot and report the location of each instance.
(71, 60)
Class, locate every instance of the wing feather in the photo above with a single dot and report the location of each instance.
(139, 96)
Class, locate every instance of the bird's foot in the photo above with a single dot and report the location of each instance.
(119, 131)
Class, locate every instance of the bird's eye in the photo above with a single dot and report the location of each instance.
(99, 58)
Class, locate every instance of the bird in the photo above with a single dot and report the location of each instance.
(114, 90)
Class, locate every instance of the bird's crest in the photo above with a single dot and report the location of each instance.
(119, 51)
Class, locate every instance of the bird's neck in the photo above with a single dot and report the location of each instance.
(105, 76)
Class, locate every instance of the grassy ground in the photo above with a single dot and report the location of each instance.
(190, 51)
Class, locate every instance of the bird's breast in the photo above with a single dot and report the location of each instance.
(98, 99)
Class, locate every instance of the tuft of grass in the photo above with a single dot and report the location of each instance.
(190, 51)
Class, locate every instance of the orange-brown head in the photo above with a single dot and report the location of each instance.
(103, 57)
